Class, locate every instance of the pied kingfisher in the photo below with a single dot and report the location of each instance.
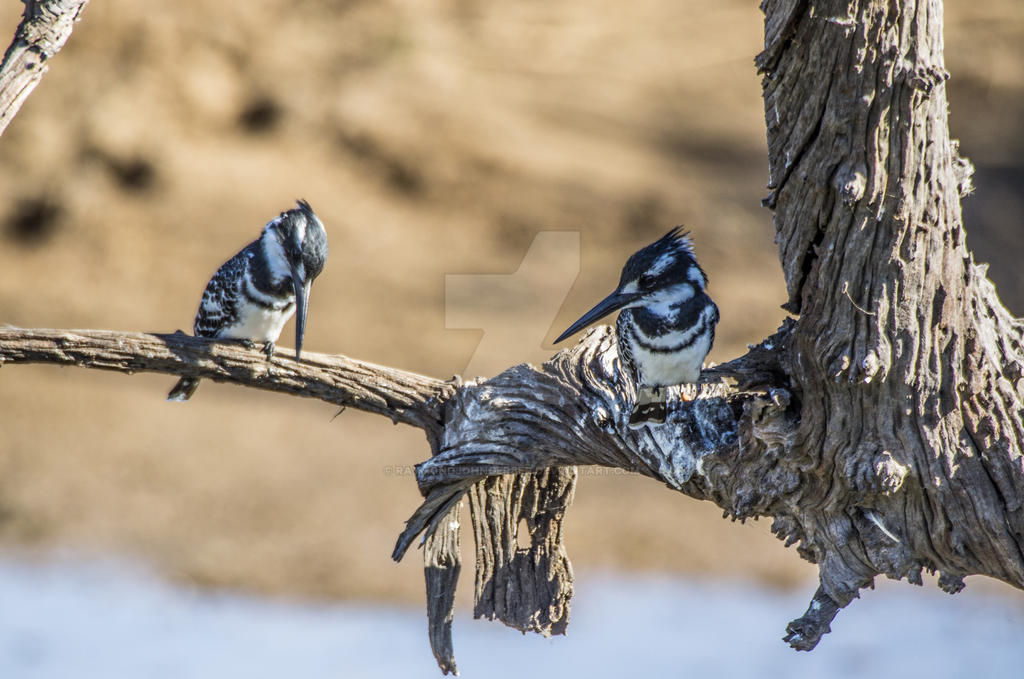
(254, 293)
(667, 324)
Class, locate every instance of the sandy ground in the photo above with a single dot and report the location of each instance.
(435, 139)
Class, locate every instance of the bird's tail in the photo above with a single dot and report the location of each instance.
(184, 389)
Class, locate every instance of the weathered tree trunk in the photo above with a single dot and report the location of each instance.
(880, 427)
(900, 448)
(907, 365)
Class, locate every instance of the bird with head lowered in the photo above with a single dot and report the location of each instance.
(253, 294)
(667, 322)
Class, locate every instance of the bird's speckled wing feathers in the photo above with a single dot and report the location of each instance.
(219, 306)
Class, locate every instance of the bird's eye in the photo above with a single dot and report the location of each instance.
(646, 281)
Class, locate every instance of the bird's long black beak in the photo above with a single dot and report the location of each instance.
(301, 302)
(611, 303)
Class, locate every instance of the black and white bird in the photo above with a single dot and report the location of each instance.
(254, 293)
(667, 324)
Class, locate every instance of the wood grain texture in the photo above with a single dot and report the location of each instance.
(403, 396)
(44, 28)
(880, 428)
(887, 437)
(905, 363)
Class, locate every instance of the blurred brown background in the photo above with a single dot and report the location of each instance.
(433, 138)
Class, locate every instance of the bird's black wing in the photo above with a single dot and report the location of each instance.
(219, 306)
(623, 333)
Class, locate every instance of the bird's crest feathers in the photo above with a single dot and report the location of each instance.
(668, 258)
(678, 238)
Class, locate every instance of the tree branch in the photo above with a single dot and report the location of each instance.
(510, 441)
(573, 410)
(882, 430)
(403, 396)
(45, 26)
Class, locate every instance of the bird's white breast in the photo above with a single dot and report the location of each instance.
(669, 368)
(258, 324)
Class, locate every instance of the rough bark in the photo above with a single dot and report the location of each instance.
(890, 442)
(523, 508)
(511, 442)
(403, 396)
(44, 28)
(911, 363)
(880, 427)
(442, 564)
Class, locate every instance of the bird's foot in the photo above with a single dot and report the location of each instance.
(689, 392)
(265, 347)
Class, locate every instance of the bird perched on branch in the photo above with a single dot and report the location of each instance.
(254, 293)
(667, 324)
